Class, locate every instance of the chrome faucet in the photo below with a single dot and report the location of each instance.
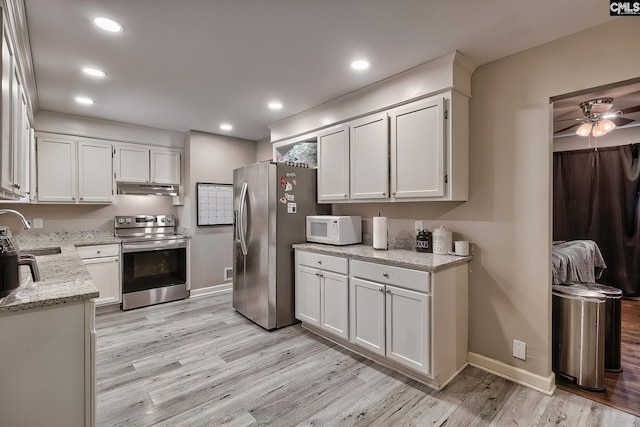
(25, 223)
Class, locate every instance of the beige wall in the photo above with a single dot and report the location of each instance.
(508, 215)
(264, 150)
(210, 158)
(85, 217)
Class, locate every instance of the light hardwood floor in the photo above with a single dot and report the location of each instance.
(198, 363)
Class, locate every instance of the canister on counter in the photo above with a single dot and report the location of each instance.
(442, 241)
(424, 241)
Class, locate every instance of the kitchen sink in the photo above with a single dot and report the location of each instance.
(41, 252)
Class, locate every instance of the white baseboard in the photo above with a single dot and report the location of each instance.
(215, 289)
(546, 385)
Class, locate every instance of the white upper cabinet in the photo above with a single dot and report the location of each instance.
(95, 182)
(73, 170)
(333, 164)
(132, 164)
(165, 167)
(15, 134)
(417, 150)
(56, 169)
(147, 165)
(370, 157)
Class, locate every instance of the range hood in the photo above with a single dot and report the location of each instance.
(147, 189)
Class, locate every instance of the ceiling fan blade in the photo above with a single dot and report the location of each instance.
(621, 121)
(566, 120)
(630, 110)
(567, 128)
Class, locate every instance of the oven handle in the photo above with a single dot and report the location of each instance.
(243, 202)
(155, 246)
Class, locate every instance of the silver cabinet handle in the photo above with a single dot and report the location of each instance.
(381, 290)
(388, 291)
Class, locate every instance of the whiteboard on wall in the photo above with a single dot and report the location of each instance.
(214, 204)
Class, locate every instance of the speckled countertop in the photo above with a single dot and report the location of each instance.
(395, 257)
(64, 278)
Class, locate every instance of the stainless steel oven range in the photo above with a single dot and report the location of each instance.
(154, 260)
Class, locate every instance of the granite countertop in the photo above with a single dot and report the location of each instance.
(394, 257)
(64, 278)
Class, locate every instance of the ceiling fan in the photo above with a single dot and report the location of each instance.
(598, 118)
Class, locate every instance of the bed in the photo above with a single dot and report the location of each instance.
(576, 261)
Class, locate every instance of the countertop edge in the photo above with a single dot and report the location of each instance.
(356, 252)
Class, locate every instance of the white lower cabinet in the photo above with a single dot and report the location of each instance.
(47, 374)
(411, 320)
(367, 315)
(408, 328)
(322, 292)
(103, 263)
(390, 320)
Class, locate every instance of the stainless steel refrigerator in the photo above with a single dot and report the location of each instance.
(270, 202)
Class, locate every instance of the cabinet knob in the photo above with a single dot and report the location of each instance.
(319, 262)
(388, 291)
(345, 195)
(82, 198)
(393, 194)
(381, 290)
(99, 252)
(17, 186)
(385, 274)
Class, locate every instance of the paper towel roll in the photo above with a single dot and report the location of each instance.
(380, 232)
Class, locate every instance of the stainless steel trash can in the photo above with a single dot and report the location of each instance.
(578, 320)
(612, 324)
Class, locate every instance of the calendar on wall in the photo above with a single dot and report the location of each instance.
(215, 203)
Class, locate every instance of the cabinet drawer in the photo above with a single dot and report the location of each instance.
(323, 262)
(401, 277)
(98, 251)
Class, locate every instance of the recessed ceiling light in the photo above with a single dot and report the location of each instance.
(93, 72)
(226, 126)
(360, 64)
(108, 24)
(84, 100)
(275, 105)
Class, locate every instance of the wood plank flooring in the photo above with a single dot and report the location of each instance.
(623, 389)
(198, 363)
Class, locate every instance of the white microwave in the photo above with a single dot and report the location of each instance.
(334, 230)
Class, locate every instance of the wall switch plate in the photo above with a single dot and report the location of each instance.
(38, 223)
(418, 226)
(520, 349)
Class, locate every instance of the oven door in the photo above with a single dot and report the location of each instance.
(154, 264)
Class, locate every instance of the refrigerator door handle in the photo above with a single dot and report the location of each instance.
(243, 202)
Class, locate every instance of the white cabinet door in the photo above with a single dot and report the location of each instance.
(165, 167)
(370, 157)
(95, 175)
(105, 272)
(307, 295)
(132, 164)
(6, 147)
(22, 143)
(334, 317)
(56, 158)
(366, 301)
(333, 165)
(408, 333)
(417, 150)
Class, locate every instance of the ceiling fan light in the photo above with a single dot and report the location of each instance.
(584, 129)
(603, 127)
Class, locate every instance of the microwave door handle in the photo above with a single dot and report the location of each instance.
(243, 203)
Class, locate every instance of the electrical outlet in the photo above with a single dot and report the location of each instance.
(418, 226)
(520, 349)
(38, 223)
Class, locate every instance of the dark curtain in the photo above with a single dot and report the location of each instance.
(596, 197)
